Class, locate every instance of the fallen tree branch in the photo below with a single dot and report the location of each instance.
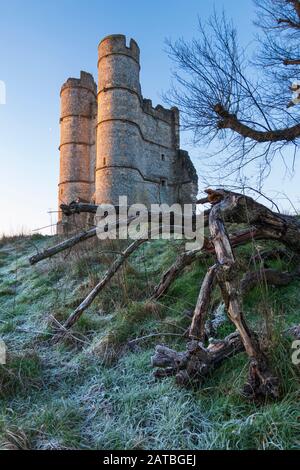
(100, 286)
(183, 260)
(273, 254)
(69, 243)
(197, 329)
(193, 365)
(187, 258)
(267, 225)
(268, 276)
(250, 280)
(77, 208)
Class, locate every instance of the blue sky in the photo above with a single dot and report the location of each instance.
(42, 43)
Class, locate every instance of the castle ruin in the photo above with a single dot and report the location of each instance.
(115, 143)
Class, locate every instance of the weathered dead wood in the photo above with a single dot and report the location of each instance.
(267, 276)
(268, 224)
(104, 281)
(68, 210)
(264, 277)
(183, 260)
(187, 258)
(78, 207)
(250, 280)
(271, 254)
(70, 242)
(197, 329)
(193, 365)
(261, 382)
(66, 244)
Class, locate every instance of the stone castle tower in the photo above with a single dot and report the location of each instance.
(114, 143)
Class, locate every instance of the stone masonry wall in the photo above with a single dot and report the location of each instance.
(77, 143)
(115, 143)
(137, 145)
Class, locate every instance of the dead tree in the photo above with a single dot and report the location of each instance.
(198, 360)
(228, 207)
(261, 381)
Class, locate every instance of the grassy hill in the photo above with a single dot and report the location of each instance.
(94, 389)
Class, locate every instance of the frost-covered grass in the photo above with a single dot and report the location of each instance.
(95, 389)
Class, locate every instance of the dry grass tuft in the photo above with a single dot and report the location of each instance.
(15, 439)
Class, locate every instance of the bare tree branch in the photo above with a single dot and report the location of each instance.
(291, 62)
(230, 121)
(226, 97)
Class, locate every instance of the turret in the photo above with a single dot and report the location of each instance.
(119, 140)
(77, 144)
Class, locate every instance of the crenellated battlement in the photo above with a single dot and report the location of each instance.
(160, 112)
(116, 44)
(86, 80)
